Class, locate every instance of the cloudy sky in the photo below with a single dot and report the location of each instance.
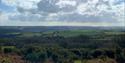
(62, 12)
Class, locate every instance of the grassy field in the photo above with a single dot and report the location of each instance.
(68, 33)
(78, 46)
(106, 60)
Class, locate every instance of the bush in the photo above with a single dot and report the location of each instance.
(5, 60)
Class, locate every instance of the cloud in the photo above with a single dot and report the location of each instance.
(113, 9)
(64, 3)
(81, 11)
(26, 4)
(3, 16)
(48, 6)
(26, 17)
(67, 5)
(85, 18)
(9, 2)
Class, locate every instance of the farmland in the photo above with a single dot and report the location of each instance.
(62, 45)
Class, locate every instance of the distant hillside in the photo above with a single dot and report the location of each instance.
(53, 28)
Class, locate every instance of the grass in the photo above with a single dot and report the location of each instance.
(71, 33)
(10, 47)
(66, 33)
(96, 60)
(78, 61)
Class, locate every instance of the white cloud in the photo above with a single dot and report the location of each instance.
(3, 17)
(26, 4)
(64, 3)
(9, 2)
(117, 11)
(105, 0)
(45, 10)
(53, 23)
(93, 1)
(81, 8)
(86, 9)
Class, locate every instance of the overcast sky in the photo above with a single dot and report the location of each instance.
(62, 12)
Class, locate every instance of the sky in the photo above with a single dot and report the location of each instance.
(62, 12)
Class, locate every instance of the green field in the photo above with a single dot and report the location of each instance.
(67, 46)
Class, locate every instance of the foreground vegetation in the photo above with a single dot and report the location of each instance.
(71, 46)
